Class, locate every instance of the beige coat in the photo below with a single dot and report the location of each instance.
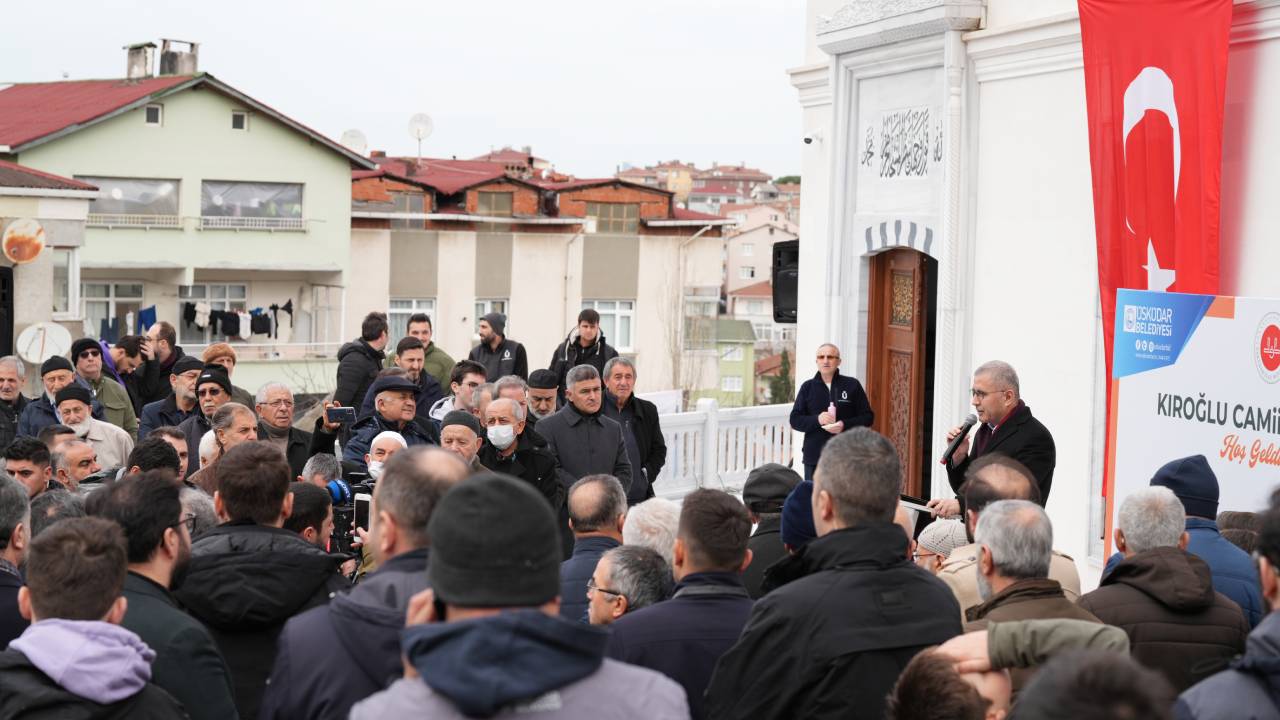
(112, 444)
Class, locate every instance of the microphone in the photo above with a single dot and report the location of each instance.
(969, 422)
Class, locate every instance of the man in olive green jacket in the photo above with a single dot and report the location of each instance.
(86, 355)
(437, 363)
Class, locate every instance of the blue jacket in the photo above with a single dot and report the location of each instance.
(1250, 688)
(683, 637)
(577, 570)
(1234, 574)
(852, 407)
(416, 432)
(159, 414)
(428, 393)
(316, 674)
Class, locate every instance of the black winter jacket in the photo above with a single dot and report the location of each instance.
(647, 431)
(244, 582)
(532, 462)
(297, 449)
(766, 549)
(9, 414)
(358, 366)
(509, 359)
(151, 381)
(1164, 601)
(831, 643)
(28, 694)
(1020, 436)
(813, 398)
(586, 445)
(333, 656)
(570, 354)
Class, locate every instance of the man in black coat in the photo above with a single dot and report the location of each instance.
(151, 381)
(179, 404)
(158, 534)
(826, 405)
(513, 449)
(646, 447)
(582, 438)
(12, 402)
(499, 354)
(683, 637)
(249, 576)
(335, 655)
(1005, 425)
(764, 493)
(15, 533)
(597, 510)
(360, 360)
(585, 345)
(831, 642)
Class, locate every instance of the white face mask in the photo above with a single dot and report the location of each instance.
(501, 436)
(375, 469)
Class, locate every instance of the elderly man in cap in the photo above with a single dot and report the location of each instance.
(764, 493)
(384, 445)
(462, 434)
(544, 394)
(181, 401)
(492, 611)
(112, 444)
(56, 373)
(1234, 574)
(86, 353)
(937, 541)
(393, 409)
(213, 390)
(499, 354)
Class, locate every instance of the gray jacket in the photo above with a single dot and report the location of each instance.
(586, 445)
(1249, 689)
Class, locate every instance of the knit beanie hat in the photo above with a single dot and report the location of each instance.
(498, 322)
(83, 344)
(543, 379)
(943, 536)
(214, 374)
(1192, 480)
(57, 362)
(462, 417)
(185, 363)
(797, 517)
(494, 543)
(73, 391)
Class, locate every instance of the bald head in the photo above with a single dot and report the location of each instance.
(992, 478)
(597, 506)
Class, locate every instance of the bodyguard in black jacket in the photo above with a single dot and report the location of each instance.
(809, 414)
(585, 345)
(499, 355)
(360, 360)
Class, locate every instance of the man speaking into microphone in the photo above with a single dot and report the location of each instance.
(1006, 426)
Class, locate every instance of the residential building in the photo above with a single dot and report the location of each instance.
(459, 238)
(734, 342)
(711, 196)
(754, 303)
(518, 163)
(749, 254)
(740, 176)
(749, 215)
(42, 221)
(208, 196)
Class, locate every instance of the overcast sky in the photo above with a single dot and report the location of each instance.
(589, 84)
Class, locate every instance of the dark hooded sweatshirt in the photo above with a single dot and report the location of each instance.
(1165, 602)
(520, 664)
(570, 354)
(244, 582)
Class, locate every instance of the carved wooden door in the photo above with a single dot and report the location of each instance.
(896, 362)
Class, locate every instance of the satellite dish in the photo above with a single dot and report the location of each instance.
(43, 340)
(420, 127)
(355, 141)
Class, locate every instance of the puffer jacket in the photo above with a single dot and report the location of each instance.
(358, 366)
(1248, 690)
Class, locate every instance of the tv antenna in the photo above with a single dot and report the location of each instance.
(355, 141)
(420, 127)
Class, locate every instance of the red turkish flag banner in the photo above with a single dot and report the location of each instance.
(1155, 76)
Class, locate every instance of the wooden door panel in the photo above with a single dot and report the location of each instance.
(896, 362)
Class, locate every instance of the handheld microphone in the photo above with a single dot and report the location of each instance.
(969, 422)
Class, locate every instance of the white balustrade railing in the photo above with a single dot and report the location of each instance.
(110, 220)
(717, 448)
(208, 222)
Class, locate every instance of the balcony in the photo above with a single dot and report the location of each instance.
(718, 448)
(270, 224)
(117, 220)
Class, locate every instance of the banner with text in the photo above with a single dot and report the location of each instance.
(1196, 375)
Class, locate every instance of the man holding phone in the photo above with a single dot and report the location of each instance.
(394, 409)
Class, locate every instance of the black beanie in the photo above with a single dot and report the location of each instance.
(57, 362)
(83, 344)
(185, 363)
(73, 391)
(462, 417)
(494, 543)
(498, 322)
(543, 380)
(214, 374)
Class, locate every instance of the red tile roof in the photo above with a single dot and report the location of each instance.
(447, 176)
(760, 289)
(30, 111)
(684, 214)
(13, 175)
(579, 183)
(771, 364)
(716, 187)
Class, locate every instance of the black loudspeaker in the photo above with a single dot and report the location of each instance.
(6, 311)
(786, 270)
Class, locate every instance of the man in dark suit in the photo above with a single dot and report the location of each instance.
(1005, 425)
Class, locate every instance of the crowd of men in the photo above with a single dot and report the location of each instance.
(184, 550)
